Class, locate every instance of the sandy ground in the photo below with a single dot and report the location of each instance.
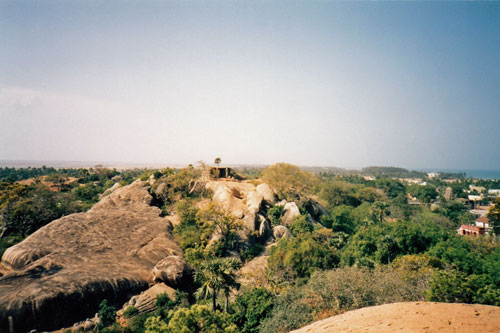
(413, 317)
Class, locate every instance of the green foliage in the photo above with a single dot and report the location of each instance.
(252, 251)
(453, 286)
(175, 185)
(198, 318)
(189, 233)
(25, 210)
(197, 227)
(288, 181)
(216, 220)
(217, 275)
(494, 216)
(274, 214)
(379, 211)
(367, 194)
(331, 292)
(457, 251)
(391, 187)
(130, 311)
(456, 211)
(298, 257)
(165, 304)
(337, 193)
(375, 245)
(107, 313)
(251, 308)
(300, 226)
(342, 220)
(425, 193)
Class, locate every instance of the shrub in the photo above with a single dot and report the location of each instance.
(275, 213)
(130, 312)
(107, 313)
(335, 291)
(251, 308)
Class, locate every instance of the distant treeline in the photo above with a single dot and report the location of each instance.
(16, 174)
(405, 173)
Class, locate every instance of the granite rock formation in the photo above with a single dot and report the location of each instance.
(61, 273)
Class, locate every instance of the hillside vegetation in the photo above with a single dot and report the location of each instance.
(327, 243)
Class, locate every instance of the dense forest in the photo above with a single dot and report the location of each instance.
(366, 244)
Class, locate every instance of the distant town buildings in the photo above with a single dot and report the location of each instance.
(494, 193)
(470, 230)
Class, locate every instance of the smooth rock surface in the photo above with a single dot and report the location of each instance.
(281, 231)
(174, 272)
(291, 211)
(60, 274)
(412, 317)
(145, 302)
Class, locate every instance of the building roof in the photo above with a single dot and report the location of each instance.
(483, 219)
(470, 227)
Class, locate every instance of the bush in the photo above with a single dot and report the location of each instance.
(288, 181)
(251, 308)
(332, 292)
(198, 318)
(274, 214)
(301, 225)
(107, 313)
(300, 256)
(130, 312)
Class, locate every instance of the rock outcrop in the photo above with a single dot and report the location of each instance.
(145, 302)
(175, 272)
(60, 274)
(291, 211)
(254, 272)
(280, 231)
(412, 317)
(244, 201)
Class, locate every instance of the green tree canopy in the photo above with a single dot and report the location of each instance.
(289, 181)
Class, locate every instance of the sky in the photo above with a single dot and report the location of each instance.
(323, 83)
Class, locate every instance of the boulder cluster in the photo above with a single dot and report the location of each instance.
(122, 250)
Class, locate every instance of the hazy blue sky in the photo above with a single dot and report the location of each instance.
(349, 84)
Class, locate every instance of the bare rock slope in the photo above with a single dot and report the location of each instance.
(59, 274)
(413, 317)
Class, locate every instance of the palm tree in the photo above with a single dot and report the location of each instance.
(215, 275)
(380, 210)
(231, 265)
(217, 162)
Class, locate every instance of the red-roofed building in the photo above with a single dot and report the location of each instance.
(470, 230)
(483, 222)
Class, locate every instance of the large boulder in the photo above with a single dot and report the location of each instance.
(254, 272)
(281, 231)
(291, 211)
(315, 209)
(242, 200)
(174, 272)
(265, 230)
(411, 317)
(266, 192)
(145, 302)
(60, 274)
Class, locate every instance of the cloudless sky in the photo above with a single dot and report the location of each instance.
(348, 84)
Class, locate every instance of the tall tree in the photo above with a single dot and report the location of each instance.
(217, 162)
(216, 275)
(494, 216)
(380, 210)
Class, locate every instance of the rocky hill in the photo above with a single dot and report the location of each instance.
(413, 317)
(75, 262)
